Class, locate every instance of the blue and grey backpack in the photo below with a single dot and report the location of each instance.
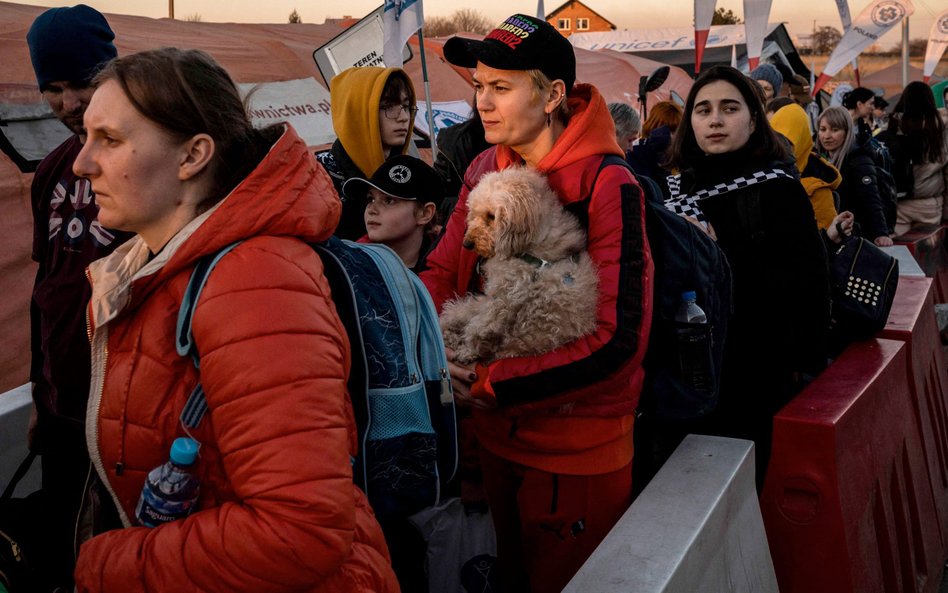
(399, 384)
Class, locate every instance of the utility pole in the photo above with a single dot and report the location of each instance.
(170, 9)
(905, 51)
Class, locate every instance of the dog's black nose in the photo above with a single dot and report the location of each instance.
(468, 244)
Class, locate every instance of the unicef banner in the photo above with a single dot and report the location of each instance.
(937, 42)
(445, 114)
(871, 24)
(302, 103)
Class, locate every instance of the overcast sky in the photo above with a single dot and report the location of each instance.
(800, 15)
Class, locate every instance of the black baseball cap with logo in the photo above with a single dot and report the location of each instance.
(519, 43)
(404, 177)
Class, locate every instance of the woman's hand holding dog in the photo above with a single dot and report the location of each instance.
(462, 378)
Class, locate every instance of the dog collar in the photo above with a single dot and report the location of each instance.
(542, 263)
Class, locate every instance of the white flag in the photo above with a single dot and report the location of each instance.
(871, 24)
(401, 19)
(756, 13)
(704, 14)
(847, 21)
(937, 42)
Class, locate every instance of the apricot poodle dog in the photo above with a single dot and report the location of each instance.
(540, 285)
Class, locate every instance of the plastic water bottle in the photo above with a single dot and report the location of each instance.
(694, 343)
(171, 490)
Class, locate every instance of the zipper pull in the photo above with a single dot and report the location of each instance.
(446, 396)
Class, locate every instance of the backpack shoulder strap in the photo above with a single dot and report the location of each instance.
(404, 298)
(196, 406)
(580, 208)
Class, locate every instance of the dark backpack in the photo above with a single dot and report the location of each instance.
(399, 385)
(685, 260)
(885, 180)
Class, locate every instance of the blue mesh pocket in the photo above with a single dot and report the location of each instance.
(398, 411)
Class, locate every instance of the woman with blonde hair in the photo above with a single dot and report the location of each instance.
(837, 140)
(555, 429)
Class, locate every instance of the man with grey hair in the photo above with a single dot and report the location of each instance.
(628, 125)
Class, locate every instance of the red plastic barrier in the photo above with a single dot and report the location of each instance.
(846, 503)
(927, 244)
(912, 320)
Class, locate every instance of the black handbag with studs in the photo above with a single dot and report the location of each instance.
(864, 282)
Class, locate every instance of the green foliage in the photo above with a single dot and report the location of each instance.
(724, 16)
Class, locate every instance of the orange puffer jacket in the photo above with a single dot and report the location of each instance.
(278, 510)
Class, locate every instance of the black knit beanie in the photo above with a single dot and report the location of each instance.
(69, 44)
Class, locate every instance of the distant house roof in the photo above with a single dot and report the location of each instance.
(569, 2)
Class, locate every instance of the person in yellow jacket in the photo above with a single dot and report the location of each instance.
(818, 176)
(373, 114)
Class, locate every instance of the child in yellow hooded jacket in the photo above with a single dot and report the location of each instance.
(373, 115)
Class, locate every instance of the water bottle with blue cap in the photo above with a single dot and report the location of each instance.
(694, 343)
(171, 490)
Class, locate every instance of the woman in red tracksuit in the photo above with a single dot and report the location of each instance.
(555, 430)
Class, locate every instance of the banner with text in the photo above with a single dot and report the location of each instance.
(871, 24)
(445, 114)
(937, 42)
(302, 103)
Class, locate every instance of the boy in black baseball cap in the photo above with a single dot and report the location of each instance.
(401, 204)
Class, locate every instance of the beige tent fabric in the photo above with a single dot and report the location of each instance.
(251, 53)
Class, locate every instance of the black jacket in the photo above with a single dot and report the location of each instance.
(781, 280)
(341, 168)
(457, 147)
(859, 192)
(648, 157)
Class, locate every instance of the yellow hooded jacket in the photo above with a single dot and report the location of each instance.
(355, 95)
(818, 176)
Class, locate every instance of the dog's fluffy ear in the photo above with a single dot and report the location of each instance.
(519, 211)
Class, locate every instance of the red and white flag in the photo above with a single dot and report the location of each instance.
(937, 42)
(400, 19)
(756, 13)
(704, 14)
(871, 24)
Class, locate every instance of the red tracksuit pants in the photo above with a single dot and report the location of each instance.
(548, 524)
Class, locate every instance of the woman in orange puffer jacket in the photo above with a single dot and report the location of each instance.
(173, 158)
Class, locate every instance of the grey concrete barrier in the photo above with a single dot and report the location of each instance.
(696, 527)
(15, 408)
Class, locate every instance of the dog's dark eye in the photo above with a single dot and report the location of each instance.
(490, 217)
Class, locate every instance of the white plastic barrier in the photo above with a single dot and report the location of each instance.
(15, 408)
(907, 264)
(696, 527)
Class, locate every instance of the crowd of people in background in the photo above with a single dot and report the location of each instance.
(177, 172)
